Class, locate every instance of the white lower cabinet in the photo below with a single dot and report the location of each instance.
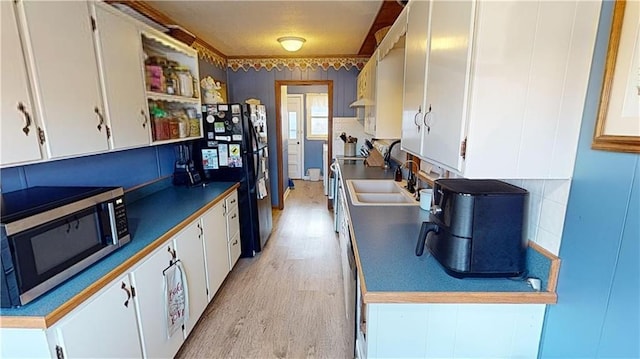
(149, 283)
(190, 251)
(452, 330)
(234, 250)
(215, 244)
(104, 327)
(233, 229)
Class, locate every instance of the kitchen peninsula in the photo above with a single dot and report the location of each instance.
(407, 306)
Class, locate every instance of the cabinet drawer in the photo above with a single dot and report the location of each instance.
(233, 224)
(231, 202)
(234, 250)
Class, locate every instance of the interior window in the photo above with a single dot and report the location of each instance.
(317, 116)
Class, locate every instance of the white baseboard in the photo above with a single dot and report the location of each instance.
(286, 193)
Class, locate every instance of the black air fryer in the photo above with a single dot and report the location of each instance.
(475, 228)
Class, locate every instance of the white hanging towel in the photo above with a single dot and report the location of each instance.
(176, 298)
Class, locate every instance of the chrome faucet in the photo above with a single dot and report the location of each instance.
(387, 156)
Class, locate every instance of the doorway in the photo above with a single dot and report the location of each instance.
(294, 122)
(282, 141)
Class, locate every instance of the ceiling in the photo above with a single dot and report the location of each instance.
(250, 28)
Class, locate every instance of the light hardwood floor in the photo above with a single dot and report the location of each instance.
(287, 302)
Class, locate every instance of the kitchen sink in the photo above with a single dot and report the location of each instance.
(379, 193)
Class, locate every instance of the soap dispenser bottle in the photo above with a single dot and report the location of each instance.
(398, 174)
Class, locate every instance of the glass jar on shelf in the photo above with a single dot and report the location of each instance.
(194, 122)
(185, 81)
(159, 122)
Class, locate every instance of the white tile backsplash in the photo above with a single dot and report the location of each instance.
(547, 208)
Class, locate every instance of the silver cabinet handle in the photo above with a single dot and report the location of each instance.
(100, 117)
(27, 118)
(234, 216)
(233, 201)
(427, 115)
(415, 118)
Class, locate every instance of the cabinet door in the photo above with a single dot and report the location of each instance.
(447, 81)
(234, 250)
(215, 244)
(150, 299)
(415, 69)
(19, 137)
(191, 253)
(61, 52)
(370, 96)
(120, 53)
(106, 327)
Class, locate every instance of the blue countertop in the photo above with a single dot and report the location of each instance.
(386, 236)
(152, 212)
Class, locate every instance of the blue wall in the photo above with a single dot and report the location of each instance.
(122, 168)
(261, 85)
(597, 315)
(312, 148)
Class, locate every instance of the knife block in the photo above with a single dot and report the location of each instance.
(375, 159)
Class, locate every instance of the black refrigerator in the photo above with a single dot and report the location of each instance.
(234, 148)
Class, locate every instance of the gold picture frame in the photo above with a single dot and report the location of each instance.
(625, 138)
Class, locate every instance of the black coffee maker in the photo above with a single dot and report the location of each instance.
(184, 172)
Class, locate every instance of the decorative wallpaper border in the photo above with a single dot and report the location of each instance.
(303, 63)
(211, 57)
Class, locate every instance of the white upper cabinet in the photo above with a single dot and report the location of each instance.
(502, 98)
(172, 86)
(61, 57)
(416, 44)
(383, 75)
(446, 96)
(19, 136)
(119, 56)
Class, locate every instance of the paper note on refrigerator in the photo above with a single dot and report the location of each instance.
(210, 159)
(223, 154)
(263, 164)
(262, 189)
(235, 160)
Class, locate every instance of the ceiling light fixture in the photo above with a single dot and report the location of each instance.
(291, 43)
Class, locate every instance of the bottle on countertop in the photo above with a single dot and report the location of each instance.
(398, 174)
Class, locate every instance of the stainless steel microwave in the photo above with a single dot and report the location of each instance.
(51, 233)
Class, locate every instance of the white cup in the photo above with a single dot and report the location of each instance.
(425, 198)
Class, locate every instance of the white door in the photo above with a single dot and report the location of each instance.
(19, 132)
(105, 328)
(295, 135)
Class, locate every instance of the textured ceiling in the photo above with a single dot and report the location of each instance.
(250, 28)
